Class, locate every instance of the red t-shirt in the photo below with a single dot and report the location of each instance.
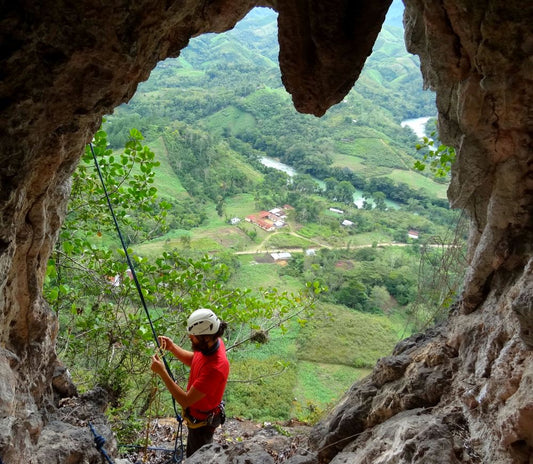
(209, 375)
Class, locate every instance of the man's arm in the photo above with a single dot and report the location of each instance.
(184, 398)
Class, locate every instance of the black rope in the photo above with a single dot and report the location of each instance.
(153, 448)
(179, 435)
(124, 247)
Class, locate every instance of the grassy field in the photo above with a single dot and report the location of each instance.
(253, 274)
(295, 375)
(240, 205)
(286, 240)
(414, 179)
(355, 163)
(168, 184)
(231, 118)
(209, 240)
(418, 181)
(320, 385)
(354, 339)
(368, 238)
(302, 372)
(321, 234)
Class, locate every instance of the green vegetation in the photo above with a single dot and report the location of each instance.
(353, 339)
(168, 184)
(209, 118)
(438, 157)
(294, 375)
(243, 103)
(286, 240)
(425, 184)
(105, 336)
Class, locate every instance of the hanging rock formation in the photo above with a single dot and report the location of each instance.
(460, 393)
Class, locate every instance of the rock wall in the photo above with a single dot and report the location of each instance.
(64, 66)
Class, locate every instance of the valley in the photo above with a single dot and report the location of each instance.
(365, 234)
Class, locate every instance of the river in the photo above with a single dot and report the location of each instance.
(272, 163)
(357, 196)
(417, 125)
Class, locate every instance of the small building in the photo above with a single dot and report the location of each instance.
(268, 220)
(116, 280)
(265, 225)
(234, 221)
(335, 210)
(277, 215)
(281, 256)
(413, 234)
(347, 223)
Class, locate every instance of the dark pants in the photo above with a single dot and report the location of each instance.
(199, 437)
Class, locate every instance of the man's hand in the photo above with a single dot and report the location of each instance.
(157, 365)
(165, 343)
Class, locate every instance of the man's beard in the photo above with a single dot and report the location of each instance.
(202, 345)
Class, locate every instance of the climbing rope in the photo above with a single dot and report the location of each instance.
(178, 444)
(99, 441)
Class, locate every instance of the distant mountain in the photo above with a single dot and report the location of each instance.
(249, 53)
(395, 14)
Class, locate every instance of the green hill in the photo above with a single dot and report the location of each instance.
(229, 86)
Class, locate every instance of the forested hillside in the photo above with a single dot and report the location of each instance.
(229, 86)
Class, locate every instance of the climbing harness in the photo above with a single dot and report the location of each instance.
(214, 417)
(178, 451)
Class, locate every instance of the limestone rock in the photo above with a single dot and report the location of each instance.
(416, 376)
(238, 454)
(265, 445)
(413, 437)
(314, 72)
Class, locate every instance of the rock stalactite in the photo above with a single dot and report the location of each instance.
(469, 382)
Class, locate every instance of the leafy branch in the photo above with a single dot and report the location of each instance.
(439, 158)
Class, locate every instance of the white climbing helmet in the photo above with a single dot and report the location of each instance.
(203, 322)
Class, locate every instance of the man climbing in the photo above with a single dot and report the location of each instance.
(202, 402)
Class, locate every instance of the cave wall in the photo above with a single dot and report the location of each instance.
(478, 56)
(64, 66)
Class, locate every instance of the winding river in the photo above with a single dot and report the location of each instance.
(357, 196)
(417, 125)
